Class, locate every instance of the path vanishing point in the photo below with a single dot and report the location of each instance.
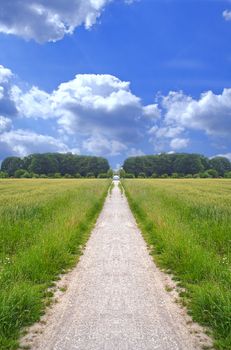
(116, 297)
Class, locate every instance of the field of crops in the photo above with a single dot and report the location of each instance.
(43, 225)
(188, 223)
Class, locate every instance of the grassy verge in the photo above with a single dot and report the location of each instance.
(43, 226)
(188, 222)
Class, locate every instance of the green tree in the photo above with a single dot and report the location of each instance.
(11, 164)
(129, 176)
(90, 175)
(204, 175)
(3, 175)
(57, 175)
(110, 173)
(141, 175)
(220, 164)
(102, 176)
(43, 164)
(122, 173)
(227, 175)
(19, 173)
(188, 164)
(26, 175)
(213, 173)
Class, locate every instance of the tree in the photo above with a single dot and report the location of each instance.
(103, 176)
(204, 175)
(175, 175)
(77, 176)
(11, 164)
(154, 176)
(26, 175)
(110, 173)
(220, 164)
(3, 175)
(18, 173)
(129, 176)
(213, 173)
(227, 175)
(122, 173)
(91, 175)
(56, 163)
(43, 164)
(161, 164)
(188, 164)
(141, 175)
(57, 175)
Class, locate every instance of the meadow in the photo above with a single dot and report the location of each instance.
(44, 225)
(187, 224)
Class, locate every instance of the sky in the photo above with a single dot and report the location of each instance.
(115, 78)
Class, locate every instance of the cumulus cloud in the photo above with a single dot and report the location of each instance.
(5, 74)
(22, 142)
(48, 20)
(134, 152)
(152, 111)
(211, 113)
(100, 146)
(91, 105)
(98, 104)
(5, 124)
(227, 15)
(34, 103)
(101, 110)
(165, 132)
(7, 104)
(99, 114)
(226, 155)
(177, 143)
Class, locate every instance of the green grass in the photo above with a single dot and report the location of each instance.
(188, 222)
(43, 226)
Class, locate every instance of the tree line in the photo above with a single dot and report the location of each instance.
(176, 165)
(55, 165)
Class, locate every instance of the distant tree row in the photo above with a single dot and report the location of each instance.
(55, 165)
(176, 165)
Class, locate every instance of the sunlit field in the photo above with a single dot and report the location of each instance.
(43, 226)
(188, 224)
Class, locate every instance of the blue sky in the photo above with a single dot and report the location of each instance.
(115, 78)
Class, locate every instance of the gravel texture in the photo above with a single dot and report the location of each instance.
(116, 297)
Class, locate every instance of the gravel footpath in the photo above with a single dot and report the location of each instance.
(116, 297)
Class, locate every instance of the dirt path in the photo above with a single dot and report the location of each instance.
(116, 297)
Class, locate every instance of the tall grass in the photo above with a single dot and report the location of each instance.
(43, 226)
(188, 222)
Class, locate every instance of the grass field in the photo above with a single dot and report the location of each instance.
(188, 223)
(43, 225)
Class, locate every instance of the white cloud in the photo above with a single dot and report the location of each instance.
(227, 15)
(48, 20)
(211, 113)
(21, 143)
(165, 132)
(5, 74)
(101, 115)
(152, 111)
(177, 143)
(100, 146)
(87, 107)
(226, 155)
(134, 152)
(7, 103)
(98, 104)
(33, 104)
(5, 124)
